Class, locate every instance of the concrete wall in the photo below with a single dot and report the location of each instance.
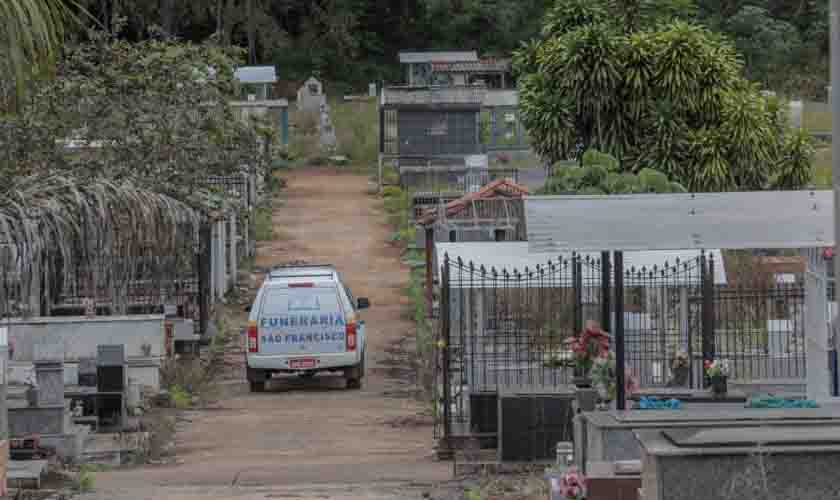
(144, 372)
(80, 336)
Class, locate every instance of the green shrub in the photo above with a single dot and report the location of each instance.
(263, 224)
(85, 478)
(181, 399)
(391, 191)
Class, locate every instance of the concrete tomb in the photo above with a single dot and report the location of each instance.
(767, 463)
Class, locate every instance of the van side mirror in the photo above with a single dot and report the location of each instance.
(362, 303)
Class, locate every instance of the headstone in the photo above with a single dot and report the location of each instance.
(372, 90)
(310, 96)
(796, 114)
(49, 376)
(328, 138)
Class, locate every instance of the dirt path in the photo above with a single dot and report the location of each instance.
(313, 439)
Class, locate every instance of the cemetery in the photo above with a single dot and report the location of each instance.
(94, 306)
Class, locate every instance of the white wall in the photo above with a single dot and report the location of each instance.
(80, 336)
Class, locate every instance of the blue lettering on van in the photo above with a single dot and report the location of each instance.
(295, 321)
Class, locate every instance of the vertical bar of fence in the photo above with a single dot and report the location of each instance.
(605, 291)
(204, 270)
(619, 330)
(704, 314)
(444, 351)
(577, 284)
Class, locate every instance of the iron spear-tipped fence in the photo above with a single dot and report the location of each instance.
(505, 329)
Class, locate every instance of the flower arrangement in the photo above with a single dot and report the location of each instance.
(716, 368)
(591, 344)
(603, 373)
(604, 376)
(680, 361)
(571, 485)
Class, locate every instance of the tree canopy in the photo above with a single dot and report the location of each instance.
(33, 31)
(662, 94)
(352, 42)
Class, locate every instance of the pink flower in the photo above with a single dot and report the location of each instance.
(572, 483)
(631, 382)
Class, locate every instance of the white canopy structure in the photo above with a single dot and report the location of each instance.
(739, 220)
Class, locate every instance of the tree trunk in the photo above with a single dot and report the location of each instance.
(219, 5)
(167, 15)
(252, 56)
(227, 37)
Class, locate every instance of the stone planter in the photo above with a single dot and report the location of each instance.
(718, 385)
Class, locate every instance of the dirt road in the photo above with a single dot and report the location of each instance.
(311, 439)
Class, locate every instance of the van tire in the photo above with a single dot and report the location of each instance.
(257, 386)
(355, 375)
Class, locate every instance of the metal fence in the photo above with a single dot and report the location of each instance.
(502, 130)
(505, 329)
(430, 179)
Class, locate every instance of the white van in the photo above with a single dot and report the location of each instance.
(304, 321)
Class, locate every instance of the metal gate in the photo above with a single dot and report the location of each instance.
(506, 328)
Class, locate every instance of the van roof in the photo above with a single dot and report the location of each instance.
(304, 271)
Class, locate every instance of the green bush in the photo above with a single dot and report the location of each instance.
(391, 191)
(263, 224)
(85, 478)
(601, 175)
(181, 399)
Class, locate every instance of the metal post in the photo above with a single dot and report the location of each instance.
(707, 311)
(605, 291)
(430, 250)
(619, 330)
(284, 125)
(835, 143)
(577, 280)
(445, 322)
(203, 261)
(835, 128)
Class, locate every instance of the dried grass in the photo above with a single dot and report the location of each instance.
(59, 228)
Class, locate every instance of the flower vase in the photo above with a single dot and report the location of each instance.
(718, 385)
(604, 397)
(582, 378)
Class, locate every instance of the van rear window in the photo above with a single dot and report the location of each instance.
(304, 303)
(301, 300)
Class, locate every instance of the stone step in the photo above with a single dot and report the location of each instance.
(26, 474)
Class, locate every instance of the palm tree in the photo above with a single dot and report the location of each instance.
(31, 32)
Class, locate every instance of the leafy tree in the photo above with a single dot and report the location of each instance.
(107, 165)
(601, 174)
(668, 96)
(767, 44)
(154, 112)
(32, 33)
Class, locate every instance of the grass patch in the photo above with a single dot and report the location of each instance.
(822, 167)
(357, 130)
(263, 224)
(816, 121)
(189, 380)
(85, 479)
